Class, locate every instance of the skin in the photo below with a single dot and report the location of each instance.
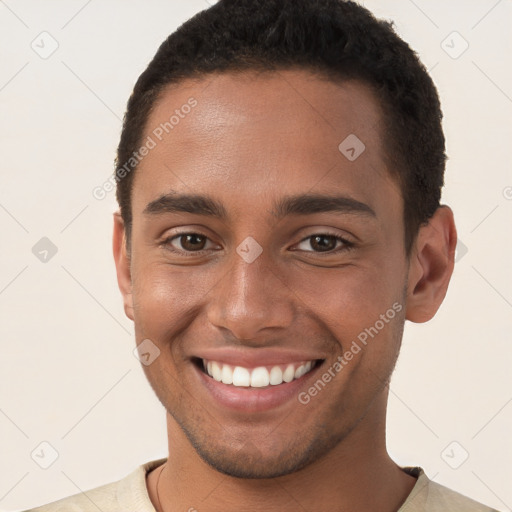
(251, 140)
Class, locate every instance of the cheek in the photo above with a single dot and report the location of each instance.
(347, 299)
(166, 298)
(361, 307)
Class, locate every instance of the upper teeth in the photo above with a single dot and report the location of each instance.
(257, 377)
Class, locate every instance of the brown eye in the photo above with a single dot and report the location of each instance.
(192, 242)
(187, 243)
(324, 243)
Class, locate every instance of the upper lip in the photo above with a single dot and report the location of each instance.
(252, 358)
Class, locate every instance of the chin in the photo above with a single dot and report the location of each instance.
(278, 456)
(249, 463)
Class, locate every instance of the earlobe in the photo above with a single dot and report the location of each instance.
(431, 266)
(122, 261)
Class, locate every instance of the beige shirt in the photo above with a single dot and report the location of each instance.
(130, 495)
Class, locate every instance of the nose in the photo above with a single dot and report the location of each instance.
(251, 298)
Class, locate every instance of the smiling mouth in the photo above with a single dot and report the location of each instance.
(259, 377)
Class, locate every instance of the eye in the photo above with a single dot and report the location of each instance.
(325, 243)
(187, 243)
(196, 243)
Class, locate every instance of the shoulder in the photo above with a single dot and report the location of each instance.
(102, 498)
(430, 496)
(443, 498)
(129, 493)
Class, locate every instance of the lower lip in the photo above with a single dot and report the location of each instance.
(254, 399)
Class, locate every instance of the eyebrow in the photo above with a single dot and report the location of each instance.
(303, 204)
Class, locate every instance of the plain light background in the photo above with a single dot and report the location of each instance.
(68, 375)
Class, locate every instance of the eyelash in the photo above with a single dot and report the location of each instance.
(347, 245)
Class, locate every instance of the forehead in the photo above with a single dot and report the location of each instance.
(248, 137)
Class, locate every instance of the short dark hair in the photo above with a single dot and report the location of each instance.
(337, 39)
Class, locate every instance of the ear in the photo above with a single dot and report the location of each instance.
(122, 261)
(431, 266)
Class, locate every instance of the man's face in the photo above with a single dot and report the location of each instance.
(253, 142)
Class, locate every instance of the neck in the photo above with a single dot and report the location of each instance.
(357, 475)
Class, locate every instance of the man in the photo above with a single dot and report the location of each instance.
(279, 176)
